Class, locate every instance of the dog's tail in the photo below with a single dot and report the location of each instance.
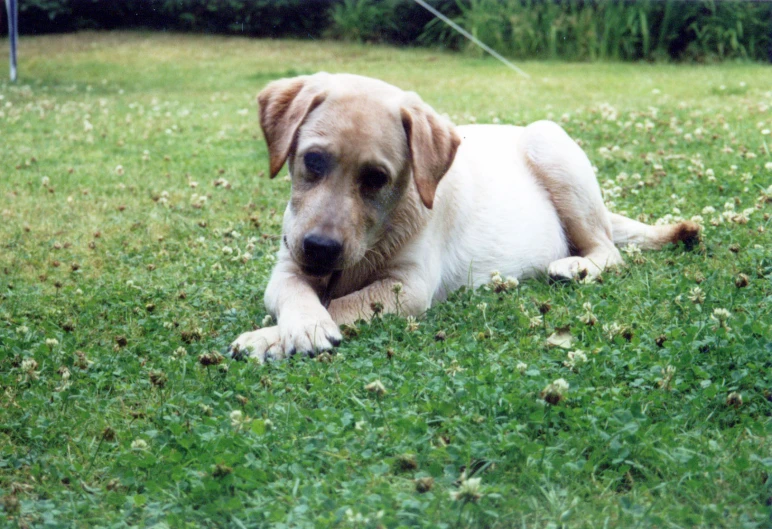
(628, 231)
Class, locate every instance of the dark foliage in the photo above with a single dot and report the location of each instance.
(701, 30)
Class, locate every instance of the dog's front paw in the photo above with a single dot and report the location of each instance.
(308, 336)
(293, 335)
(263, 344)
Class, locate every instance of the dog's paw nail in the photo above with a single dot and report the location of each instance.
(233, 352)
(292, 352)
(335, 342)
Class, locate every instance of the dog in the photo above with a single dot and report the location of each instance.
(393, 207)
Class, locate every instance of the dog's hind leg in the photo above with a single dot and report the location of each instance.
(564, 170)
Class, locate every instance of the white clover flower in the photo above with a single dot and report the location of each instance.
(511, 282)
(28, 365)
(729, 206)
(52, 342)
(632, 250)
(139, 444)
(227, 250)
(708, 210)
(454, 368)
(412, 324)
(667, 377)
(612, 330)
(588, 318)
(555, 391)
(734, 399)
(396, 287)
(119, 170)
(45, 181)
(697, 296)
(721, 317)
(574, 359)
(267, 320)
(237, 418)
(22, 329)
(482, 306)
(468, 491)
(376, 387)
(742, 218)
(521, 367)
(535, 321)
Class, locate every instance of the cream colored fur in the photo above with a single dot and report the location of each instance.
(460, 203)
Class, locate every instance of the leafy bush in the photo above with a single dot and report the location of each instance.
(264, 18)
(701, 30)
(359, 20)
(617, 30)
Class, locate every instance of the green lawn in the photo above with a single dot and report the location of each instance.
(115, 279)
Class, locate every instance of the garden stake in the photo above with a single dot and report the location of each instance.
(12, 7)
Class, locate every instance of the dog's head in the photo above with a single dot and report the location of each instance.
(353, 145)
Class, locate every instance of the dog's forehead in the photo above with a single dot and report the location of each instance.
(354, 116)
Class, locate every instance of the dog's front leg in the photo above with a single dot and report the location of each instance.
(387, 295)
(304, 325)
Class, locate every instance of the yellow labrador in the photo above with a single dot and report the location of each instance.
(388, 195)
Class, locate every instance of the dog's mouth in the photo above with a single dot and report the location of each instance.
(316, 271)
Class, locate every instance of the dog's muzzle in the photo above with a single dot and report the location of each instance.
(320, 254)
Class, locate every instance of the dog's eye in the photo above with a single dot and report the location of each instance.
(373, 178)
(317, 164)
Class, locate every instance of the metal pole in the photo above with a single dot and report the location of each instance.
(12, 6)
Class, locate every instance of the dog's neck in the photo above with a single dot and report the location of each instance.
(405, 222)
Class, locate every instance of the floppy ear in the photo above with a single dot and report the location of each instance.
(432, 142)
(284, 105)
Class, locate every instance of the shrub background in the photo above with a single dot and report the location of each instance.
(581, 30)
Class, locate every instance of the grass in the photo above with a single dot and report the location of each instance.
(114, 283)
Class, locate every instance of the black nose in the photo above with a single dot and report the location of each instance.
(321, 252)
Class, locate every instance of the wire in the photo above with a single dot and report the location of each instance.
(468, 35)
